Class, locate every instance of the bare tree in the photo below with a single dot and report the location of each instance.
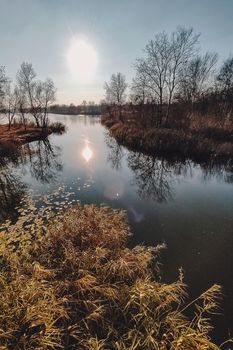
(27, 83)
(183, 46)
(3, 81)
(195, 76)
(225, 78)
(39, 95)
(115, 90)
(22, 106)
(140, 92)
(142, 96)
(225, 87)
(49, 96)
(153, 68)
(44, 96)
(165, 57)
(10, 103)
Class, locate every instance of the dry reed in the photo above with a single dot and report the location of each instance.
(75, 285)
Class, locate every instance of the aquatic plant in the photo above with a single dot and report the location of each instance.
(74, 284)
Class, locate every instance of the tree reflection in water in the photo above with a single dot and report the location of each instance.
(44, 163)
(156, 176)
(44, 160)
(11, 188)
(222, 171)
(115, 154)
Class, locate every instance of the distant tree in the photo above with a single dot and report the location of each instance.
(84, 104)
(103, 106)
(91, 107)
(115, 90)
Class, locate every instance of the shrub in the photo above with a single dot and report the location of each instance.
(57, 128)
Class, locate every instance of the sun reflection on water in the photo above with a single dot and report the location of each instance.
(87, 152)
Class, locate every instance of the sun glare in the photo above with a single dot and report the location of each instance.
(87, 152)
(82, 59)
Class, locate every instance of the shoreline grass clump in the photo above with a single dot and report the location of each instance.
(74, 284)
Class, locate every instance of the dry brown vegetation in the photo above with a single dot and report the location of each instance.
(203, 138)
(75, 285)
(17, 133)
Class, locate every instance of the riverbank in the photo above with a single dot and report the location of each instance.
(194, 143)
(74, 284)
(18, 135)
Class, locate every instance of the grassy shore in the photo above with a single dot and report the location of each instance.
(18, 135)
(74, 284)
(201, 140)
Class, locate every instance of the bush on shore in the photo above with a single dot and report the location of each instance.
(75, 285)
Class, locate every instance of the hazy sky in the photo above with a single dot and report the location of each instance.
(41, 32)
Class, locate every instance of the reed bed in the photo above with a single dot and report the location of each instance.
(74, 284)
(199, 141)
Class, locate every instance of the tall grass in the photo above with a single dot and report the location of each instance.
(75, 285)
(201, 139)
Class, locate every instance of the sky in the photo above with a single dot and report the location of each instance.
(114, 33)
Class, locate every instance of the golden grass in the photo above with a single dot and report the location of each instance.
(18, 135)
(203, 139)
(75, 285)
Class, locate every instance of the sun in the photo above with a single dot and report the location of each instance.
(82, 59)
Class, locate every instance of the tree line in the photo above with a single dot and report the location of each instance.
(86, 108)
(29, 96)
(173, 72)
